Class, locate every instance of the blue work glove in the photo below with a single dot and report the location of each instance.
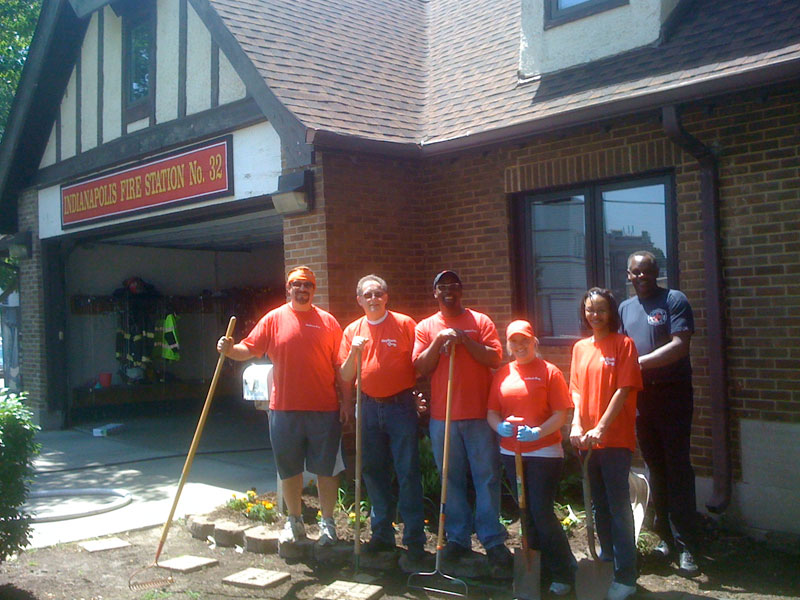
(505, 429)
(528, 434)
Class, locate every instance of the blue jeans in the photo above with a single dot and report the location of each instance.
(613, 516)
(544, 530)
(473, 448)
(389, 436)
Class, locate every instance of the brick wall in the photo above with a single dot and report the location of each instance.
(467, 227)
(758, 137)
(31, 300)
(406, 220)
(373, 225)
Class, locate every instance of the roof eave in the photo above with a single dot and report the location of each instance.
(776, 73)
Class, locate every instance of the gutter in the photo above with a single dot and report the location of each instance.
(715, 307)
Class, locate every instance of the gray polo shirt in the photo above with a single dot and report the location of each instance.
(651, 323)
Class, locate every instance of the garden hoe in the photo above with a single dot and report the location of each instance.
(594, 576)
(449, 586)
(357, 540)
(527, 562)
(136, 580)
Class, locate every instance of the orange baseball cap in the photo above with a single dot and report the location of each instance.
(521, 327)
(301, 273)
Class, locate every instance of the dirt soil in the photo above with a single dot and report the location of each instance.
(734, 566)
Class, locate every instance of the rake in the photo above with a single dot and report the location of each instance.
(160, 582)
(419, 580)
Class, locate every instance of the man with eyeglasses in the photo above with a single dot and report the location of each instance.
(473, 444)
(385, 339)
(661, 323)
(305, 416)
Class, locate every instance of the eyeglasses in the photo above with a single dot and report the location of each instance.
(305, 285)
(448, 287)
(370, 295)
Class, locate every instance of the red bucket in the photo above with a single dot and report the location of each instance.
(104, 379)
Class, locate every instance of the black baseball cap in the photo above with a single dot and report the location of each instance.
(439, 277)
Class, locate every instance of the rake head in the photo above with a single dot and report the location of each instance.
(152, 583)
(438, 583)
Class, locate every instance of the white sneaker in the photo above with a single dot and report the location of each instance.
(327, 533)
(620, 591)
(560, 589)
(293, 531)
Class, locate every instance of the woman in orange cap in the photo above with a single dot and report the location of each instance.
(534, 391)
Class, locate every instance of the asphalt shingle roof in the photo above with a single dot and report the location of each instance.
(421, 71)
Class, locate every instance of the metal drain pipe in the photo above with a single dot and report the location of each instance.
(715, 307)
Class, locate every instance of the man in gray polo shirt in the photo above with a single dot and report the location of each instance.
(661, 324)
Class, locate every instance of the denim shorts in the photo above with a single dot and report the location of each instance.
(306, 440)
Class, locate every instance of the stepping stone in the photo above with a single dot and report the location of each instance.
(297, 550)
(107, 544)
(228, 534)
(258, 579)
(261, 540)
(188, 563)
(200, 527)
(349, 590)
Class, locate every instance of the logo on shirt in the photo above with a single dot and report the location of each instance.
(390, 342)
(657, 317)
(314, 326)
(609, 360)
(534, 378)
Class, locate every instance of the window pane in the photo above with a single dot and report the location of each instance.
(139, 62)
(559, 258)
(569, 3)
(634, 219)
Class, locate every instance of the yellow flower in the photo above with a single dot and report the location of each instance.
(319, 513)
(268, 505)
(251, 493)
(352, 515)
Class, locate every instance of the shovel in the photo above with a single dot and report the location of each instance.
(594, 576)
(526, 561)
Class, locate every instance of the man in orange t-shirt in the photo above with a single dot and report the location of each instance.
(473, 446)
(305, 416)
(384, 339)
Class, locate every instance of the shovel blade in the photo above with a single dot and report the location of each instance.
(593, 579)
(527, 574)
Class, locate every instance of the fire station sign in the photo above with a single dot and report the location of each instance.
(198, 173)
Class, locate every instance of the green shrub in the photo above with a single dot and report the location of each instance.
(17, 450)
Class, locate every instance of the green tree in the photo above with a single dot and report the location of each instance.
(17, 23)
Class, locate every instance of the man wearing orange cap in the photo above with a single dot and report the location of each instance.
(305, 416)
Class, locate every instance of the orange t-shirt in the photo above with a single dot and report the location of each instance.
(304, 347)
(471, 380)
(386, 366)
(533, 391)
(598, 369)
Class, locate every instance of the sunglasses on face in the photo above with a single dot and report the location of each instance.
(370, 295)
(304, 285)
(448, 287)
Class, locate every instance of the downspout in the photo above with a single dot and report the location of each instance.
(715, 308)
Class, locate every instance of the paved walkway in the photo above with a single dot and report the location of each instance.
(146, 459)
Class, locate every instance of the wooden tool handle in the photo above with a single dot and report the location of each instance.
(195, 441)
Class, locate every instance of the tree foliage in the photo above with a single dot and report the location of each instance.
(17, 23)
(18, 448)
